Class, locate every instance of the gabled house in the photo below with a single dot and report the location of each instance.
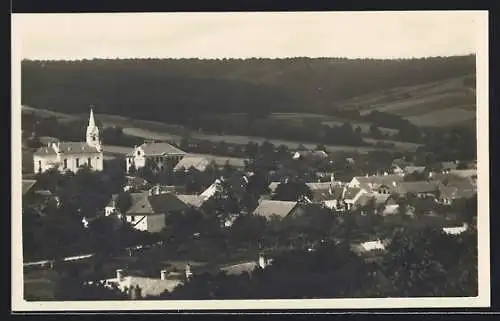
(151, 212)
(153, 154)
(112, 209)
(350, 196)
(391, 206)
(398, 165)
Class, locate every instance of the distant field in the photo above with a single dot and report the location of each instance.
(163, 132)
(442, 103)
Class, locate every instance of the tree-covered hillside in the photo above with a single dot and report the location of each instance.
(172, 90)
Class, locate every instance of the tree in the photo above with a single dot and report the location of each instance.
(292, 191)
(123, 202)
(420, 262)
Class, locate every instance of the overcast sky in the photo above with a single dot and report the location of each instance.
(242, 35)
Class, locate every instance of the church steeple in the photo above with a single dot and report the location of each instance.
(93, 138)
(91, 119)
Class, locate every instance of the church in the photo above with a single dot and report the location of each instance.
(70, 156)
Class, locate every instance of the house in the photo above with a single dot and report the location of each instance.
(418, 188)
(195, 201)
(247, 267)
(391, 206)
(221, 161)
(270, 208)
(445, 167)
(469, 174)
(448, 194)
(310, 154)
(376, 183)
(379, 200)
(142, 287)
(155, 155)
(456, 230)
(70, 156)
(398, 165)
(161, 189)
(370, 248)
(330, 198)
(111, 207)
(351, 195)
(134, 184)
(192, 162)
(151, 212)
(414, 170)
(273, 186)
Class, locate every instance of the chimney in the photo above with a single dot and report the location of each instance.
(163, 274)
(262, 261)
(188, 271)
(119, 275)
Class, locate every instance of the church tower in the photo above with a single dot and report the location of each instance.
(93, 138)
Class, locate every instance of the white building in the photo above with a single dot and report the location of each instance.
(155, 155)
(70, 156)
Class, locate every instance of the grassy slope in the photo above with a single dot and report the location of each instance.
(442, 103)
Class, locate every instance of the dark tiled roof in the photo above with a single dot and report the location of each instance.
(334, 192)
(68, 148)
(157, 204)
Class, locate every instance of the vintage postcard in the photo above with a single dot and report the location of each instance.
(256, 161)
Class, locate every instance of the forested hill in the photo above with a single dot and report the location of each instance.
(172, 89)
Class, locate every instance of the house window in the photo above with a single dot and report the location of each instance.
(138, 153)
(132, 218)
(65, 163)
(77, 162)
(39, 165)
(89, 162)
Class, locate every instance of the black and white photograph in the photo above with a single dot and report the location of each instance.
(250, 160)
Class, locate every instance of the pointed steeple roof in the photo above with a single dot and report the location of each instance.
(91, 119)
